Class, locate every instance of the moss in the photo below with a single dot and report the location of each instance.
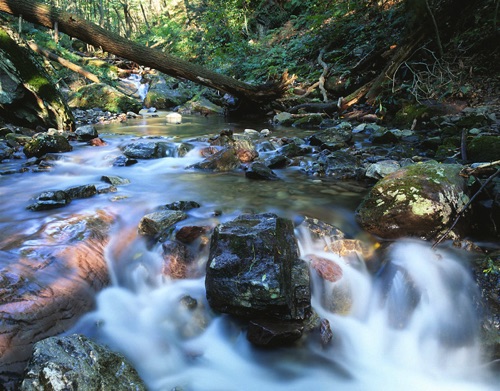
(308, 121)
(484, 148)
(472, 121)
(55, 112)
(410, 113)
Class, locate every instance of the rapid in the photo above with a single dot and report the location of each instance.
(413, 325)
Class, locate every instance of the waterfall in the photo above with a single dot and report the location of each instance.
(413, 326)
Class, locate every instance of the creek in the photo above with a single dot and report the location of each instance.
(394, 337)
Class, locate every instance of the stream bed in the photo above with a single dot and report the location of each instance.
(386, 341)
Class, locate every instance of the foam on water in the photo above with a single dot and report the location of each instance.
(411, 327)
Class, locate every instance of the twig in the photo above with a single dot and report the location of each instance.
(323, 75)
(436, 30)
(490, 178)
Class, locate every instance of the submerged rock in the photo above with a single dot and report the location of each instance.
(254, 270)
(420, 200)
(75, 362)
(48, 283)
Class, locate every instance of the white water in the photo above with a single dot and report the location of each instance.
(412, 328)
(397, 336)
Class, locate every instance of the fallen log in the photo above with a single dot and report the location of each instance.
(47, 16)
(65, 63)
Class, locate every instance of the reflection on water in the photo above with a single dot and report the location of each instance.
(412, 327)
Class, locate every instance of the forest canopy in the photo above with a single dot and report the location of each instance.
(382, 51)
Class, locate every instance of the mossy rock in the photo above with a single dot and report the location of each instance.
(484, 149)
(162, 96)
(472, 121)
(421, 200)
(411, 112)
(104, 97)
(28, 96)
(309, 121)
(43, 143)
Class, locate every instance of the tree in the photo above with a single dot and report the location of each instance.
(47, 16)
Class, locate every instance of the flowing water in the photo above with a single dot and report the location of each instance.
(411, 326)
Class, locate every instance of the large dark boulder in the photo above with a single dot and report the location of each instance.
(75, 362)
(28, 96)
(254, 269)
(421, 200)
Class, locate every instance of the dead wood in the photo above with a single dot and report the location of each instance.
(47, 16)
(68, 64)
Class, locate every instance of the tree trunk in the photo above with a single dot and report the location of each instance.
(63, 62)
(46, 15)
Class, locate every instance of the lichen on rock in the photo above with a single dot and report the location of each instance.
(420, 200)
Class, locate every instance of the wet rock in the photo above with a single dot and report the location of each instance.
(420, 200)
(221, 161)
(150, 149)
(173, 118)
(51, 199)
(308, 122)
(83, 191)
(332, 139)
(75, 362)
(43, 143)
(326, 268)
(272, 333)
(115, 180)
(294, 148)
(254, 270)
(182, 205)
(260, 171)
(242, 145)
(48, 283)
(325, 332)
(156, 223)
(178, 262)
(97, 142)
(245, 151)
(124, 161)
(283, 118)
(277, 161)
(189, 234)
(86, 132)
(338, 164)
(5, 151)
(320, 230)
(381, 169)
(383, 136)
